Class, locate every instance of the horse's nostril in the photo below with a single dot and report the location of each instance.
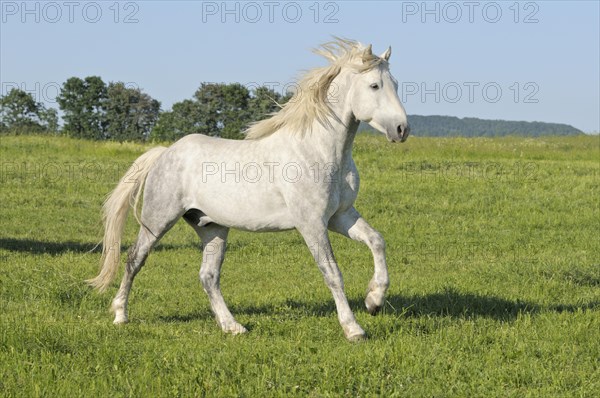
(403, 131)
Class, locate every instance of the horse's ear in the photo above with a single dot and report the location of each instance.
(367, 54)
(386, 54)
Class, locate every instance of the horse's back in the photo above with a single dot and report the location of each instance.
(231, 181)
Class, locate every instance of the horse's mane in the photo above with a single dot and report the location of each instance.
(310, 102)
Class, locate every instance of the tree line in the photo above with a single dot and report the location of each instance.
(95, 110)
(92, 109)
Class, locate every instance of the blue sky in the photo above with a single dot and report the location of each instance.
(534, 61)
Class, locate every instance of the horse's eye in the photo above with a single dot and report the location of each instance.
(374, 86)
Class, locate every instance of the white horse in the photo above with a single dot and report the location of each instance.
(293, 170)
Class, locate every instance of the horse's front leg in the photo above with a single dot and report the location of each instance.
(320, 247)
(351, 224)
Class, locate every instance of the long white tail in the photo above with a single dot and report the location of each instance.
(115, 209)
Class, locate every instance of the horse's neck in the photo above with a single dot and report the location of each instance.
(334, 142)
(336, 139)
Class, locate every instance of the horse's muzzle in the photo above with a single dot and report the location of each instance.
(402, 132)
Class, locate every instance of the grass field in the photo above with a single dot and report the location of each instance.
(494, 261)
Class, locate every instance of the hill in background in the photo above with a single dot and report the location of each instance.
(450, 126)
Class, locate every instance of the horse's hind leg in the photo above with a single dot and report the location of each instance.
(135, 260)
(150, 233)
(214, 240)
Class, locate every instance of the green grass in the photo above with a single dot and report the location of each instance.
(493, 253)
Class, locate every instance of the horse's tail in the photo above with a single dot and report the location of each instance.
(126, 194)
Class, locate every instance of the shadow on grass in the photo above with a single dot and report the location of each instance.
(455, 304)
(185, 318)
(449, 303)
(38, 247)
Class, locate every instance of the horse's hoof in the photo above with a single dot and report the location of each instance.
(372, 306)
(235, 329)
(354, 332)
(357, 338)
(120, 321)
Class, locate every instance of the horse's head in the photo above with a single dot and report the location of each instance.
(374, 97)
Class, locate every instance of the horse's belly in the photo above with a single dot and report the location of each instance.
(249, 208)
(254, 221)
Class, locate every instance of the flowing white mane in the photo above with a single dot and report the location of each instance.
(310, 103)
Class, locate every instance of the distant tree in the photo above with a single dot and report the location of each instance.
(183, 119)
(221, 110)
(130, 114)
(49, 119)
(265, 101)
(82, 102)
(21, 114)
(216, 109)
